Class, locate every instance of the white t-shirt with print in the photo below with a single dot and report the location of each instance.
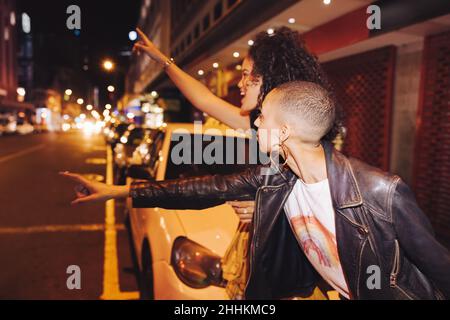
(310, 212)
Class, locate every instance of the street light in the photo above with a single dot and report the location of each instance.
(89, 107)
(80, 101)
(108, 106)
(21, 91)
(108, 65)
(68, 92)
(111, 88)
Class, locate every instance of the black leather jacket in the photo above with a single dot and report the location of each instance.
(378, 223)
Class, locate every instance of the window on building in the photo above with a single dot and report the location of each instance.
(218, 10)
(231, 3)
(206, 22)
(197, 31)
(189, 40)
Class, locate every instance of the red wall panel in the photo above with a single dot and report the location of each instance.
(364, 87)
(432, 147)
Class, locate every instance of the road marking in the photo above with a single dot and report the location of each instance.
(111, 286)
(21, 153)
(58, 228)
(96, 161)
(98, 148)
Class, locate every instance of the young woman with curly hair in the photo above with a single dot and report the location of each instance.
(271, 61)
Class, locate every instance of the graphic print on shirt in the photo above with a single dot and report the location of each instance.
(317, 241)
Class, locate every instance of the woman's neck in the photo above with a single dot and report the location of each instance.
(307, 161)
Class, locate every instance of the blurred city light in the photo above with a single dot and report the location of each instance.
(108, 65)
(108, 106)
(132, 35)
(88, 128)
(89, 107)
(66, 127)
(111, 89)
(26, 23)
(80, 101)
(250, 42)
(21, 92)
(68, 92)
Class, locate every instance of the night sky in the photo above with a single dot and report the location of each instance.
(61, 54)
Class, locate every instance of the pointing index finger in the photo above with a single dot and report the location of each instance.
(142, 35)
(74, 177)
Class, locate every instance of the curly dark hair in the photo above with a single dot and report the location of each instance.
(283, 57)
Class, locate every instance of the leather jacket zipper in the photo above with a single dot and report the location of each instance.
(362, 229)
(396, 270)
(252, 249)
(359, 265)
(396, 266)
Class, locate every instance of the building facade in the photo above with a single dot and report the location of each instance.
(10, 97)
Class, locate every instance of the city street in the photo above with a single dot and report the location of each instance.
(41, 234)
(169, 109)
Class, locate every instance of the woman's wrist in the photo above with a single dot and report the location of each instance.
(119, 192)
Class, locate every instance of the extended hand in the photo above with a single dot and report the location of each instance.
(92, 191)
(147, 46)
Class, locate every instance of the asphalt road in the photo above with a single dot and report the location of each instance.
(41, 234)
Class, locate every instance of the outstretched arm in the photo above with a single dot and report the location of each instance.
(189, 193)
(197, 93)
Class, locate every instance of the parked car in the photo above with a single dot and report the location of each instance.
(115, 132)
(24, 127)
(133, 148)
(8, 124)
(178, 252)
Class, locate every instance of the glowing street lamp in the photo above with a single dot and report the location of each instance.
(108, 65)
(68, 92)
(111, 89)
(80, 101)
(21, 92)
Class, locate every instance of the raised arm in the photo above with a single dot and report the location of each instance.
(197, 93)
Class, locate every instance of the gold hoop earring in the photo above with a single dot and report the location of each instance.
(285, 153)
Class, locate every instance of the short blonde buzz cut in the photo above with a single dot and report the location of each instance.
(307, 107)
